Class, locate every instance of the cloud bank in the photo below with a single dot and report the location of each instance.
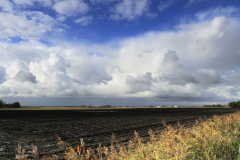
(197, 61)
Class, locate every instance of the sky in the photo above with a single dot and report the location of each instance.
(119, 52)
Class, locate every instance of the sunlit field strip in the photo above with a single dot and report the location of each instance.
(214, 138)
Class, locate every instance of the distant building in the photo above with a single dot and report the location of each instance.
(175, 106)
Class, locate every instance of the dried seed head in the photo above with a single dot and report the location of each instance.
(105, 151)
(121, 149)
(88, 153)
(61, 144)
(164, 123)
(130, 145)
(21, 157)
(136, 134)
(150, 132)
(99, 148)
(113, 150)
(239, 150)
(178, 124)
(82, 143)
(152, 135)
(21, 152)
(114, 138)
(34, 151)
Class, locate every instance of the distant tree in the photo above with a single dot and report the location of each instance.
(107, 106)
(204, 105)
(232, 104)
(16, 105)
(238, 104)
(1, 103)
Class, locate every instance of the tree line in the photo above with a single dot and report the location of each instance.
(10, 105)
(230, 105)
(234, 104)
(214, 105)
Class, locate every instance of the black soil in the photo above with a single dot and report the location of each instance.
(40, 127)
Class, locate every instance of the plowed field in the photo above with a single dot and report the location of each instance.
(94, 126)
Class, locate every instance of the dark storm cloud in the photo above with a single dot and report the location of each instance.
(172, 80)
(186, 77)
(89, 74)
(201, 78)
(233, 78)
(140, 84)
(171, 61)
(208, 77)
(180, 93)
(179, 77)
(233, 91)
(24, 76)
(170, 56)
(2, 74)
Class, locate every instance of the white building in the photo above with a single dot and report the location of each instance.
(175, 106)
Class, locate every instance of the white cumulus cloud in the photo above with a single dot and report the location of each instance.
(28, 24)
(191, 63)
(129, 9)
(164, 5)
(23, 2)
(70, 7)
(6, 5)
(85, 20)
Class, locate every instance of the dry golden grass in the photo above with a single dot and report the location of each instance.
(216, 138)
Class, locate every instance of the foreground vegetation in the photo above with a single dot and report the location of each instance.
(213, 138)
